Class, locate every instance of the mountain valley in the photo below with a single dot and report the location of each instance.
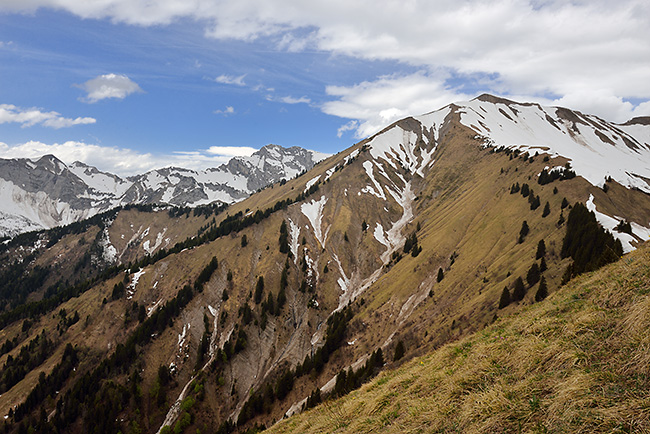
(237, 312)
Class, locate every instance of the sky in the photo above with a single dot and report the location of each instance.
(132, 85)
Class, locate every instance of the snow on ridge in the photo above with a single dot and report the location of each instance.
(313, 210)
(586, 142)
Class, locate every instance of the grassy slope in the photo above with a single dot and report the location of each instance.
(577, 362)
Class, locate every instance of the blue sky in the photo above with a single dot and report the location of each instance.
(131, 85)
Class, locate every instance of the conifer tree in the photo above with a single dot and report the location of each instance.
(523, 231)
(542, 265)
(441, 275)
(542, 291)
(541, 249)
(547, 210)
(505, 298)
(533, 274)
(519, 290)
(259, 288)
(399, 351)
(284, 238)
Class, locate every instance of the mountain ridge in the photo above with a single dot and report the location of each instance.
(47, 192)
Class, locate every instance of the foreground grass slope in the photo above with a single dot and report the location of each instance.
(577, 362)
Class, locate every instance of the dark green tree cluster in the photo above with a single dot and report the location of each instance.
(411, 245)
(347, 381)
(30, 356)
(624, 226)
(548, 176)
(48, 385)
(94, 391)
(336, 326)
(587, 243)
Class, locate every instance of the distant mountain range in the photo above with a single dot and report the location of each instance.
(45, 193)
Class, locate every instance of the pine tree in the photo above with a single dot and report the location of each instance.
(542, 265)
(533, 274)
(519, 290)
(244, 240)
(284, 238)
(542, 291)
(541, 249)
(441, 275)
(259, 288)
(505, 298)
(565, 203)
(547, 210)
(399, 351)
(523, 231)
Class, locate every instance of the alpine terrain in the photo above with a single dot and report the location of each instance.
(46, 193)
(459, 236)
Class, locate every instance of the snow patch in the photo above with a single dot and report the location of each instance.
(130, 290)
(294, 231)
(311, 182)
(314, 212)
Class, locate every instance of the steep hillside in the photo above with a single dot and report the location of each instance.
(46, 193)
(408, 239)
(576, 362)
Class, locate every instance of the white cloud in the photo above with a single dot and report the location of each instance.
(350, 126)
(123, 161)
(230, 79)
(292, 100)
(229, 110)
(231, 151)
(9, 113)
(558, 49)
(108, 86)
(376, 104)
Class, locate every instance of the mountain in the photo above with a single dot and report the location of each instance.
(227, 318)
(47, 193)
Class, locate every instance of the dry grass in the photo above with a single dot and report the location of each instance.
(577, 362)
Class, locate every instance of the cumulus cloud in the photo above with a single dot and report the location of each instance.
(230, 79)
(377, 103)
(558, 49)
(229, 110)
(9, 113)
(107, 86)
(123, 161)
